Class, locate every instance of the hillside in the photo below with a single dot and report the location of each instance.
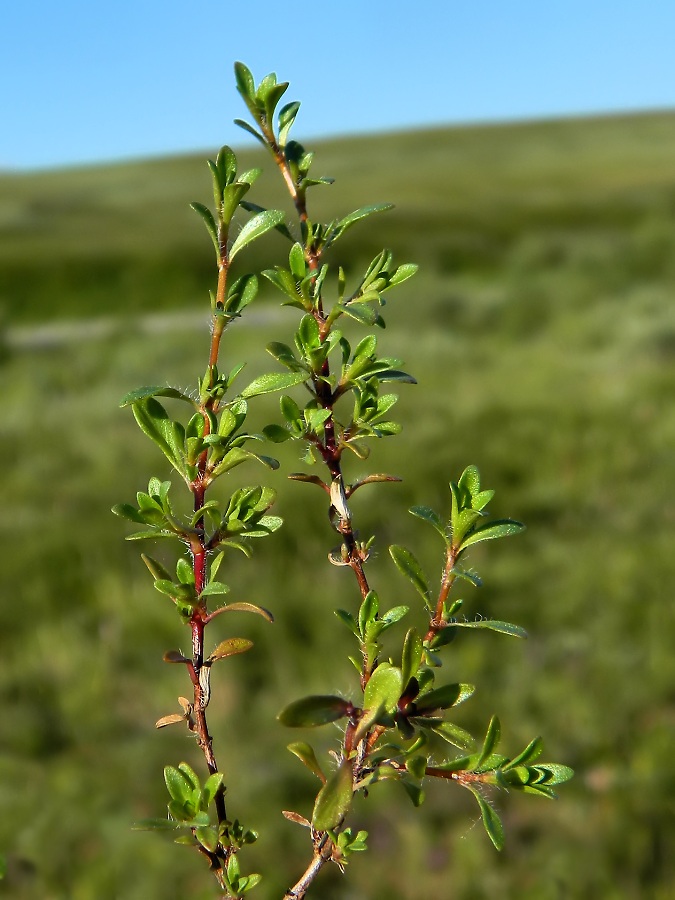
(541, 329)
(121, 238)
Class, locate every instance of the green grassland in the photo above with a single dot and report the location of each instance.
(541, 329)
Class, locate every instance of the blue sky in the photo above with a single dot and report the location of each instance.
(85, 81)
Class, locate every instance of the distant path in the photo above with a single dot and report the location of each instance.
(74, 331)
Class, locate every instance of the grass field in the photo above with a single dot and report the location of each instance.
(541, 329)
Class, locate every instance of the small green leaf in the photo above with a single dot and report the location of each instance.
(428, 515)
(416, 765)
(491, 741)
(444, 697)
(189, 773)
(273, 381)
(211, 788)
(359, 214)
(497, 529)
(255, 228)
(306, 755)
(334, 798)
(239, 296)
(530, 753)
(245, 82)
(411, 656)
(493, 625)
(154, 391)
(156, 568)
(368, 611)
(156, 825)
(177, 784)
(346, 617)
(168, 435)
(126, 511)
(469, 480)
(414, 791)
(207, 836)
(453, 734)
(408, 565)
(214, 587)
(209, 221)
(362, 313)
(315, 710)
(230, 647)
(491, 821)
(554, 773)
(384, 688)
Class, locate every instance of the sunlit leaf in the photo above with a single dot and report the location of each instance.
(334, 798)
(315, 710)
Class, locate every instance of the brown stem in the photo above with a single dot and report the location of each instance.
(201, 671)
(323, 851)
(448, 579)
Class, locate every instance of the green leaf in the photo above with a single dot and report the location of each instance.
(156, 825)
(210, 789)
(154, 391)
(469, 480)
(184, 571)
(169, 436)
(189, 773)
(348, 619)
(530, 753)
(444, 697)
(414, 791)
(126, 511)
(493, 625)
(178, 784)
(416, 765)
(401, 274)
(411, 656)
(362, 313)
(491, 741)
(428, 515)
(393, 615)
(306, 755)
(239, 295)
(210, 223)
(155, 568)
(315, 710)
(410, 567)
(384, 688)
(359, 214)
(553, 773)
(287, 116)
(334, 798)
(214, 587)
(244, 78)
(368, 611)
(230, 647)
(453, 734)
(491, 821)
(255, 228)
(273, 381)
(242, 124)
(207, 836)
(497, 529)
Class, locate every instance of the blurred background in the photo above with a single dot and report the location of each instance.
(531, 157)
